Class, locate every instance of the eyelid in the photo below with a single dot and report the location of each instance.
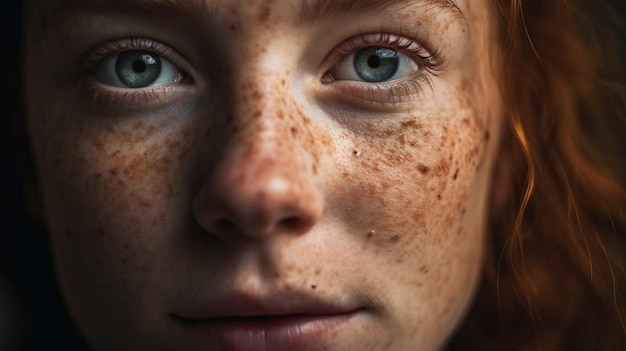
(383, 96)
(432, 61)
(100, 52)
(116, 100)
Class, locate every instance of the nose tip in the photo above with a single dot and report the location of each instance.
(257, 205)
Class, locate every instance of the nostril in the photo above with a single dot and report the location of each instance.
(223, 224)
(293, 223)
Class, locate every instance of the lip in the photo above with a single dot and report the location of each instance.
(280, 321)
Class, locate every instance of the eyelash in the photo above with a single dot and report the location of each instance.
(430, 63)
(111, 96)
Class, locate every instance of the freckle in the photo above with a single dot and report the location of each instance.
(423, 168)
(487, 136)
(410, 124)
(137, 125)
(99, 144)
(318, 271)
(264, 14)
(424, 269)
(456, 174)
(356, 153)
(145, 203)
(283, 82)
(438, 196)
(113, 171)
(313, 287)
(258, 114)
(394, 239)
(370, 234)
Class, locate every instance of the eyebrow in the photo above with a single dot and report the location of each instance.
(315, 10)
(310, 10)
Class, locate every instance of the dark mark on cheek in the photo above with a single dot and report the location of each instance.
(456, 174)
(265, 13)
(423, 168)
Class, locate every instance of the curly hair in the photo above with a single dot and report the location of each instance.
(554, 276)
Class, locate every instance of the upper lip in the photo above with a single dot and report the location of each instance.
(282, 303)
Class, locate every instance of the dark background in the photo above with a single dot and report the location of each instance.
(34, 310)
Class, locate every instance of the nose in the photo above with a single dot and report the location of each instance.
(262, 185)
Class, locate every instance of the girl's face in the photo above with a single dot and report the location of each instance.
(265, 175)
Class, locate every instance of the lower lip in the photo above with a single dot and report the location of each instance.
(298, 332)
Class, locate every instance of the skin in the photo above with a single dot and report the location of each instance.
(255, 175)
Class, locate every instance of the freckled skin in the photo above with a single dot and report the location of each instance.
(253, 184)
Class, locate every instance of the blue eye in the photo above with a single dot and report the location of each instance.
(137, 69)
(374, 65)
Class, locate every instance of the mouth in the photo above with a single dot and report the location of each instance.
(279, 322)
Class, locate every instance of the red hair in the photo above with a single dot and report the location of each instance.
(554, 275)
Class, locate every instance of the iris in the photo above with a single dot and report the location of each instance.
(376, 64)
(137, 69)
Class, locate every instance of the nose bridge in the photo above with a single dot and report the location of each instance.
(264, 120)
(264, 182)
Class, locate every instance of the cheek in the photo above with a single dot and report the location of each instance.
(415, 197)
(413, 186)
(110, 187)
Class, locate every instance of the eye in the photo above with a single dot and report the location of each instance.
(137, 69)
(374, 64)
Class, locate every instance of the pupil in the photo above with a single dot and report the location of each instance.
(373, 61)
(139, 66)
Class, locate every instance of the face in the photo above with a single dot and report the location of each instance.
(265, 175)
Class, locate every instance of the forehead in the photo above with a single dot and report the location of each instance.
(302, 10)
